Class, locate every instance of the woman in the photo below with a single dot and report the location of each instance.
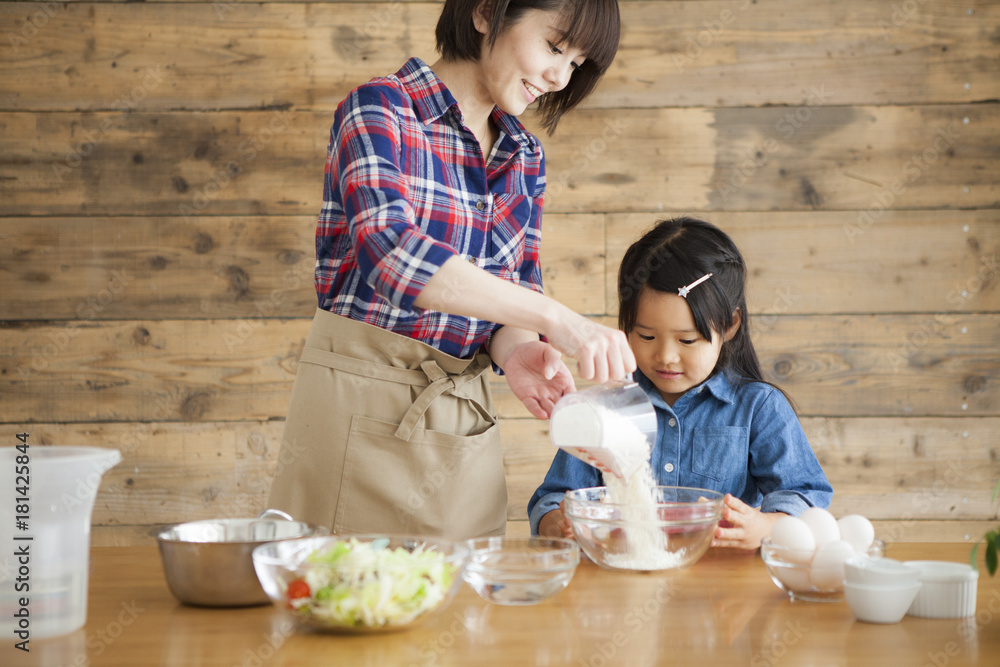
(428, 270)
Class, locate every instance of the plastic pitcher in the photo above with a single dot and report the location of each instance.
(45, 539)
(610, 426)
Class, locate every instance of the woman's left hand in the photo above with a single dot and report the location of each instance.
(538, 377)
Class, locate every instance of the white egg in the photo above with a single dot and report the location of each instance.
(793, 534)
(822, 524)
(794, 578)
(827, 571)
(857, 531)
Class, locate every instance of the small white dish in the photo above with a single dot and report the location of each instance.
(880, 604)
(948, 590)
(879, 571)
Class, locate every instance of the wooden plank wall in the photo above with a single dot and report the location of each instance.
(160, 174)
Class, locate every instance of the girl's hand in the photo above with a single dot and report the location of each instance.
(742, 526)
(555, 524)
(601, 353)
(536, 374)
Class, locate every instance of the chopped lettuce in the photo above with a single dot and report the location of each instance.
(368, 585)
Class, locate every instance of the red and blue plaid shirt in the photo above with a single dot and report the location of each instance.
(406, 188)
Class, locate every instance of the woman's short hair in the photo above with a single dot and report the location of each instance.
(593, 26)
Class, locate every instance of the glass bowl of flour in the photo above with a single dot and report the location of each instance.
(632, 525)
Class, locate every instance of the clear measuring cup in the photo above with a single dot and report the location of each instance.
(610, 426)
(45, 556)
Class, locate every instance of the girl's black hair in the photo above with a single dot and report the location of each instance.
(593, 26)
(675, 253)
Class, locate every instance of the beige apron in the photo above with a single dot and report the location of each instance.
(386, 434)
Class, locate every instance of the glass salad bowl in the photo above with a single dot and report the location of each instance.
(361, 583)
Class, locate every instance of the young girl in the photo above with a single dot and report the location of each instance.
(427, 270)
(721, 426)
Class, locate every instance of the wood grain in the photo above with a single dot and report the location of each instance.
(724, 53)
(827, 262)
(194, 370)
(908, 472)
(757, 159)
(244, 268)
(161, 172)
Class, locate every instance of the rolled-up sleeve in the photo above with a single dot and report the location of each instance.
(565, 473)
(395, 257)
(781, 461)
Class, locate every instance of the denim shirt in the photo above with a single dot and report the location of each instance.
(741, 439)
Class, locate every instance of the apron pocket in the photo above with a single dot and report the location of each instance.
(434, 484)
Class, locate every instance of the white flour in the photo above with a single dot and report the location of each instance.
(606, 436)
(645, 539)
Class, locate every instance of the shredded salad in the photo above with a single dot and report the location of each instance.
(369, 585)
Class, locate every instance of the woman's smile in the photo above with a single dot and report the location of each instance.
(533, 92)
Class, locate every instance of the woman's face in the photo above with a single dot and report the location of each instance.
(528, 60)
(667, 346)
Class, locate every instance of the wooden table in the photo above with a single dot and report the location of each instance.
(722, 611)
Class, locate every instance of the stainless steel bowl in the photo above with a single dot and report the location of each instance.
(210, 564)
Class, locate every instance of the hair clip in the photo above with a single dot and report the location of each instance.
(683, 291)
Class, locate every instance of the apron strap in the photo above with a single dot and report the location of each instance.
(440, 383)
(439, 380)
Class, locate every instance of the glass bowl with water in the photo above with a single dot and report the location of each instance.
(520, 570)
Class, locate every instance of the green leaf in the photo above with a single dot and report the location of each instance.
(973, 560)
(991, 556)
(996, 548)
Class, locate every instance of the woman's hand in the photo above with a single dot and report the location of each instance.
(460, 288)
(742, 526)
(536, 374)
(601, 353)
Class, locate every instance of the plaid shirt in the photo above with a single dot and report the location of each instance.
(405, 190)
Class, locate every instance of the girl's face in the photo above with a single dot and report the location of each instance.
(527, 61)
(667, 346)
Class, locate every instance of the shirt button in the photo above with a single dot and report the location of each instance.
(472, 260)
(669, 467)
(480, 205)
(672, 422)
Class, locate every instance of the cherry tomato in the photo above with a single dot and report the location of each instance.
(297, 589)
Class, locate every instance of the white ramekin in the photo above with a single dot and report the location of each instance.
(948, 590)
